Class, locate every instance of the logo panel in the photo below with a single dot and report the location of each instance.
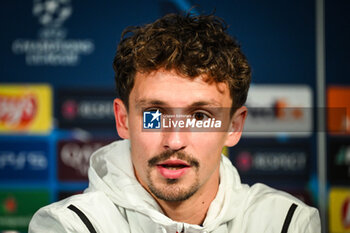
(25, 108)
(338, 121)
(86, 109)
(339, 160)
(74, 158)
(267, 161)
(24, 160)
(339, 210)
(279, 109)
(18, 207)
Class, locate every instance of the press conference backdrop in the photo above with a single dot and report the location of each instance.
(57, 89)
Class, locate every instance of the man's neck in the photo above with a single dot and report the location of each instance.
(194, 209)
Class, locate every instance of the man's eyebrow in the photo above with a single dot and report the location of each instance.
(142, 103)
(210, 103)
(154, 102)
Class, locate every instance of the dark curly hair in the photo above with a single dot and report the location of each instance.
(191, 45)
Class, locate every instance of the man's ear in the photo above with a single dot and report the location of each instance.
(236, 126)
(121, 118)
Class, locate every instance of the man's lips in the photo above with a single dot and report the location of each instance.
(174, 163)
(173, 168)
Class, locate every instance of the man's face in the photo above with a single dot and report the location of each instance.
(174, 164)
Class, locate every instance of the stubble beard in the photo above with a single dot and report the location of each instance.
(172, 190)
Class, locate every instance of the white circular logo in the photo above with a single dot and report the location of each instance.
(52, 12)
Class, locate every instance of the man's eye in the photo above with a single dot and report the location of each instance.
(199, 116)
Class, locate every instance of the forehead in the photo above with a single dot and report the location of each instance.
(176, 90)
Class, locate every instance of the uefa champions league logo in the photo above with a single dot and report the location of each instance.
(52, 47)
(52, 13)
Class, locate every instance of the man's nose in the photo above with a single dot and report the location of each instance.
(175, 140)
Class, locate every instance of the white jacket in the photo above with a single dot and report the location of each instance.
(116, 202)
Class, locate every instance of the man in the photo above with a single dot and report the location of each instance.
(174, 179)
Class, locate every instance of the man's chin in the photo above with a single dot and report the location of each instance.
(173, 193)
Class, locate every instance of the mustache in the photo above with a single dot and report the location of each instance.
(172, 153)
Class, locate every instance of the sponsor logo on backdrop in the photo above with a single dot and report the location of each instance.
(279, 109)
(343, 156)
(34, 160)
(339, 154)
(18, 111)
(74, 158)
(271, 161)
(17, 208)
(339, 210)
(346, 213)
(10, 205)
(52, 47)
(338, 121)
(88, 110)
(25, 108)
(23, 160)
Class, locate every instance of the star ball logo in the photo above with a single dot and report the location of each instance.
(151, 119)
(52, 47)
(52, 12)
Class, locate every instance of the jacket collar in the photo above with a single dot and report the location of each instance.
(111, 171)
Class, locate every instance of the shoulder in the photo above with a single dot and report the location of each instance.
(68, 215)
(272, 209)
